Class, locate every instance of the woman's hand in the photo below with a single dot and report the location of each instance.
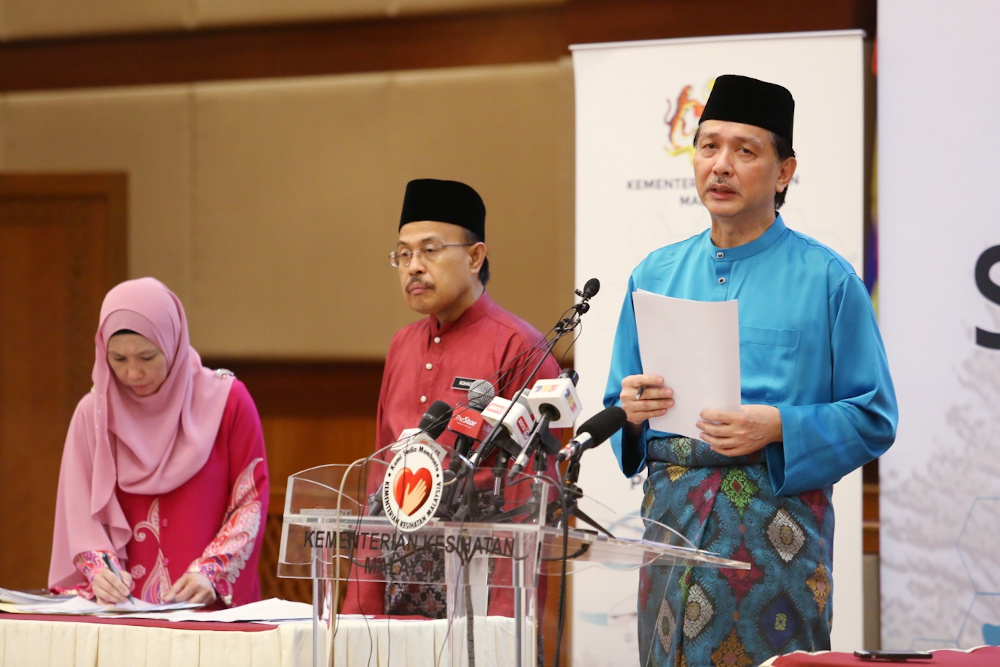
(192, 587)
(109, 589)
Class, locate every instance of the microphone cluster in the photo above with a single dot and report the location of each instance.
(515, 430)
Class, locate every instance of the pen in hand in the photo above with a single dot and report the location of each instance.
(114, 570)
(638, 393)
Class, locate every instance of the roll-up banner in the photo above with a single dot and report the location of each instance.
(939, 304)
(637, 107)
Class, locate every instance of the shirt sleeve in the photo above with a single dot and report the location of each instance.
(89, 563)
(625, 360)
(823, 442)
(242, 532)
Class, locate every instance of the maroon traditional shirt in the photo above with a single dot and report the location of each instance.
(429, 361)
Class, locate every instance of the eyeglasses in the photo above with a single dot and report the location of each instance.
(430, 252)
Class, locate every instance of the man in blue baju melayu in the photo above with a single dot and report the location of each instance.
(817, 403)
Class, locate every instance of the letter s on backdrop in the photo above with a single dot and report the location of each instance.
(989, 289)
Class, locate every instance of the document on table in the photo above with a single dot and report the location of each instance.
(271, 611)
(695, 347)
(13, 596)
(81, 606)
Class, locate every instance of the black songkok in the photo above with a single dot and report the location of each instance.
(740, 99)
(444, 201)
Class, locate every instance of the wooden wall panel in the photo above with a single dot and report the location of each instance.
(270, 207)
(313, 412)
(520, 33)
(298, 185)
(509, 131)
(236, 12)
(625, 20)
(51, 18)
(62, 246)
(47, 18)
(403, 7)
(144, 132)
(294, 213)
(3, 131)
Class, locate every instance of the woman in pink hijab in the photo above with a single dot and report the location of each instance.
(163, 488)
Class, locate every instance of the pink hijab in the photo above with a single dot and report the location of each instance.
(142, 444)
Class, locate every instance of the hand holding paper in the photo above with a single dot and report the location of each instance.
(741, 432)
(695, 346)
(645, 397)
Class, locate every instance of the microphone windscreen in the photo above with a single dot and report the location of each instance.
(592, 287)
(435, 420)
(480, 394)
(604, 424)
(571, 374)
(514, 416)
(558, 398)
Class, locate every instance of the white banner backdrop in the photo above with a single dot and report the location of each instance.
(939, 301)
(637, 106)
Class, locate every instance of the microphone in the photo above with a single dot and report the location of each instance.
(556, 404)
(434, 421)
(594, 431)
(557, 399)
(517, 418)
(468, 423)
(432, 425)
(481, 392)
(512, 422)
(590, 288)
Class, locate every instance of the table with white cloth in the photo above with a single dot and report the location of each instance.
(38, 640)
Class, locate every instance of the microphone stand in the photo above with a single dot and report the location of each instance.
(549, 445)
(541, 428)
(462, 447)
(559, 511)
(499, 473)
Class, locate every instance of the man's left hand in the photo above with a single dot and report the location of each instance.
(740, 432)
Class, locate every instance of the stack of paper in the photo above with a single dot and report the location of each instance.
(273, 610)
(695, 347)
(23, 602)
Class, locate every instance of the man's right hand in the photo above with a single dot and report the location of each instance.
(644, 397)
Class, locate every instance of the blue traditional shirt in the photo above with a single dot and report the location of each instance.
(809, 344)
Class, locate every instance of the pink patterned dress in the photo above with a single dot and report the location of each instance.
(212, 524)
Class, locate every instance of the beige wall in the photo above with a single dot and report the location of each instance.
(36, 18)
(144, 132)
(270, 206)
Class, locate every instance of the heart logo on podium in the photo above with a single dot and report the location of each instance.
(411, 487)
(406, 484)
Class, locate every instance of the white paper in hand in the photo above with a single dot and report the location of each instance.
(695, 347)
